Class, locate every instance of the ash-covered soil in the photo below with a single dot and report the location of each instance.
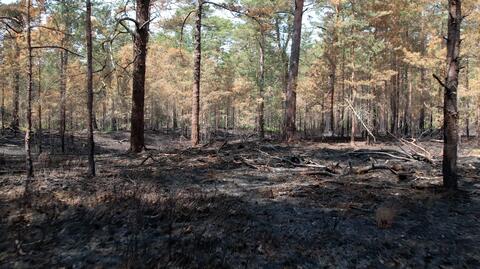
(239, 204)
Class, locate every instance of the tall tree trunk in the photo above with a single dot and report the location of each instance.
(333, 68)
(28, 151)
(195, 136)
(261, 86)
(3, 108)
(90, 118)
(291, 97)
(422, 116)
(63, 77)
(354, 92)
(450, 110)
(16, 90)
(63, 93)
(408, 113)
(137, 139)
(40, 129)
(284, 73)
(467, 101)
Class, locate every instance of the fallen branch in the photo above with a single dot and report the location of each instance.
(382, 153)
(373, 167)
(360, 119)
(427, 157)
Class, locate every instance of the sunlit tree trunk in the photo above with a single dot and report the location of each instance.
(137, 136)
(291, 97)
(450, 110)
(195, 136)
(261, 86)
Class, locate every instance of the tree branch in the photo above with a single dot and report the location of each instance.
(439, 81)
(58, 47)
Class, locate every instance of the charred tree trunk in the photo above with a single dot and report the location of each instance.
(137, 139)
(195, 136)
(90, 118)
(450, 110)
(28, 151)
(291, 97)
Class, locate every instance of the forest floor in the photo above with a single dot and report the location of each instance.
(239, 204)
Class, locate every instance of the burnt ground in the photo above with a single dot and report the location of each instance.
(240, 204)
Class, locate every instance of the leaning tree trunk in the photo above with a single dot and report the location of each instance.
(28, 150)
(91, 143)
(195, 137)
(137, 136)
(450, 110)
(291, 98)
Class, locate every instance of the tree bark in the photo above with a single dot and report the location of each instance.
(291, 97)
(261, 86)
(90, 118)
(450, 110)
(40, 129)
(16, 90)
(29, 164)
(195, 136)
(63, 80)
(3, 108)
(137, 139)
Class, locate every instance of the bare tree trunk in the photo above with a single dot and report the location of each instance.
(63, 92)
(422, 116)
(3, 107)
(467, 101)
(333, 66)
(28, 150)
(40, 129)
(63, 81)
(450, 110)
(16, 90)
(408, 113)
(137, 139)
(195, 136)
(291, 97)
(90, 118)
(261, 86)
(354, 91)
